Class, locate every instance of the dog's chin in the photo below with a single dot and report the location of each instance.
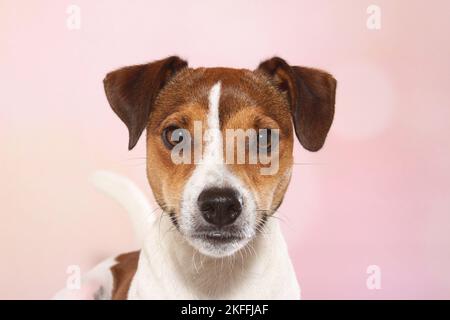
(217, 244)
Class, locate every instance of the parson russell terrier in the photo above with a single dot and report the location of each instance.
(215, 237)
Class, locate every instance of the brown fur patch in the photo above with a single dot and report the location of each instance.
(123, 273)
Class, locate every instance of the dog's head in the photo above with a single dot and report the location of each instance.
(220, 140)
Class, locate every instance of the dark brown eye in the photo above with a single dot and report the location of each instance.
(265, 137)
(173, 135)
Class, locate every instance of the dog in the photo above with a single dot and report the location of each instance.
(216, 236)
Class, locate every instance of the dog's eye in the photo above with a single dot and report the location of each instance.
(173, 135)
(265, 139)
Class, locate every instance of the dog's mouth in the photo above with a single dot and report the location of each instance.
(218, 237)
(214, 237)
(218, 243)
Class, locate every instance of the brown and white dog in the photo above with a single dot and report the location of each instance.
(215, 238)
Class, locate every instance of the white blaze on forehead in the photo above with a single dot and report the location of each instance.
(213, 136)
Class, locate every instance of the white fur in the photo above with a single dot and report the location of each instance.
(170, 268)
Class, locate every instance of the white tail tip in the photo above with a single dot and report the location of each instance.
(129, 196)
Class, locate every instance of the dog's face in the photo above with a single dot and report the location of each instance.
(217, 120)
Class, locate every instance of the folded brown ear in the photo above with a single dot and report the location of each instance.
(131, 92)
(311, 94)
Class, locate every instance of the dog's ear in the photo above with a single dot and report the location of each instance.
(131, 92)
(311, 94)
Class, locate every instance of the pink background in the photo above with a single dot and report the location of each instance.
(377, 194)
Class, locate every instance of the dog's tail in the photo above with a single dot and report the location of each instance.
(129, 196)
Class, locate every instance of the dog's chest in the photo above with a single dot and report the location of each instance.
(172, 270)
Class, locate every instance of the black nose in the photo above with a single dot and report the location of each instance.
(219, 206)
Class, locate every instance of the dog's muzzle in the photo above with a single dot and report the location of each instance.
(219, 220)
